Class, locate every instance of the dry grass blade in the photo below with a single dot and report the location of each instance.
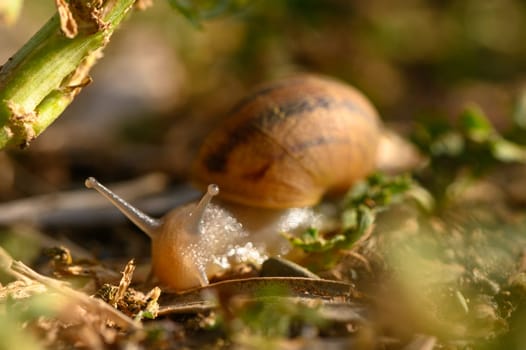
(95, 305)
(23, 287)
(125, 282)
(5, 264)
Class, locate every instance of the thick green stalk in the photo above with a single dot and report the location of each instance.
(44, 76)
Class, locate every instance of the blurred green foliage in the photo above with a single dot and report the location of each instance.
(406, 55)
(458, 277)
(16, 317)
(197, 11)
(9, 11)
(459, 153)
(273, 317)
(18, 244)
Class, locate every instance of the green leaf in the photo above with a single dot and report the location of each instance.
(507, 151)
(450, 144)
(475, 124)
(309, 241)
(378, 190)
(519, 113)
(144, 315)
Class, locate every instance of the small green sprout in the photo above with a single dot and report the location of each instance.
(360, 208)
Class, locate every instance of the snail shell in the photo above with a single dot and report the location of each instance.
(290, 142)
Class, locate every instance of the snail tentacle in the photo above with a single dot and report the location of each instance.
(145, 222)
(193, 224)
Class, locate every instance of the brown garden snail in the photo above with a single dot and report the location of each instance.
(282, 148)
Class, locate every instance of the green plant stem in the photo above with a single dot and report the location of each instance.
(44, 76)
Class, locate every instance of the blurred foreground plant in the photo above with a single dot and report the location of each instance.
(459, 153)
(17, 316)
(459, 279)
(9, 11)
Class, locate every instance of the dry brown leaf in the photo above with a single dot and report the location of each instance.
(68, 24)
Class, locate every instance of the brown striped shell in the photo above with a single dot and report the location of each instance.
(290, 142)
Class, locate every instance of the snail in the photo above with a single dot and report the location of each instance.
(282, 149)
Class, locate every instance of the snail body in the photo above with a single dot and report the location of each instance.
(280, 151)
(190, 243)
